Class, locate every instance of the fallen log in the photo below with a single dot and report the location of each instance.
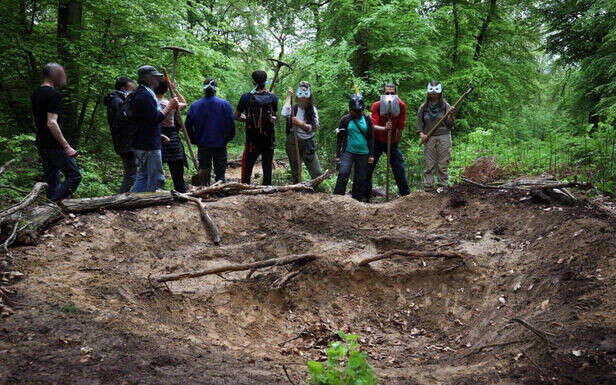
(27, 201)
(413, 254)
(39, 217)
(529, 185)
(205, 216)
(237, 267)
(235, 188)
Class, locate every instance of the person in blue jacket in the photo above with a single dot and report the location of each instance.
(211, 126)
(147, 115)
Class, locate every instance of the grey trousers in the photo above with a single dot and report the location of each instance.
(310, 158)
(437, 154)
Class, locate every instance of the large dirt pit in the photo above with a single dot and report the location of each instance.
(85, 313)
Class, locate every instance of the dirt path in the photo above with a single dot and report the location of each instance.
(85, 313)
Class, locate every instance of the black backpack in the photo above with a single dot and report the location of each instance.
(260, 112)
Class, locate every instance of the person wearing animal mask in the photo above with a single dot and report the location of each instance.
(303, 123)
(389, 114)
(354, 148)
(437, 149)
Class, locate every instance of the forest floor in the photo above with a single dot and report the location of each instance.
(85, 312)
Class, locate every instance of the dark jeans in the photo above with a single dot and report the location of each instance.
(212, 156)
(129, 162)
(251, 153)
(55, 161)
(360, 175)
(176, 168)
(396, 160)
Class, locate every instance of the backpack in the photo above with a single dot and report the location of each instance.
(260, 112)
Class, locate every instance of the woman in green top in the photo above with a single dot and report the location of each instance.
(355, 147)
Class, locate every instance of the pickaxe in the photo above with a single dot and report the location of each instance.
(278, 64)
(176, 53)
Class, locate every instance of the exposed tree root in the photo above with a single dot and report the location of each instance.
(413, 254)
(237, 267)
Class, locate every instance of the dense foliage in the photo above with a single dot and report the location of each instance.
(544, 72)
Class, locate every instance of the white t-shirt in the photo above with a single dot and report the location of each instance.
(301, 134)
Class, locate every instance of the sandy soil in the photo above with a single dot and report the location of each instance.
(85, 312)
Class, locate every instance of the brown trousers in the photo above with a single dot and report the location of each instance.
(437, 153)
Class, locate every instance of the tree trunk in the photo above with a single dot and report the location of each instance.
(69, 34)
(456, 34)
(484, 29)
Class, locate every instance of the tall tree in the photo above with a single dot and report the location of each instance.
(70, 14)
(484, 29)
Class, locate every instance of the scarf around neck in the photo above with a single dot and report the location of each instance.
(433, 109)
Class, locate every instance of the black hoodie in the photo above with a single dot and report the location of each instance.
(122, 131)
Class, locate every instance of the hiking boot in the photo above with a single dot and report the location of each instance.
(429, 189)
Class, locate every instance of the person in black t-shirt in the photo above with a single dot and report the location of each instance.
(56, 153)
(258, 109)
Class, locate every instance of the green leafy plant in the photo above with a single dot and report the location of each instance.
(345, 365)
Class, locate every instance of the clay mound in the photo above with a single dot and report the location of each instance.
(421, 321)
(484, 170)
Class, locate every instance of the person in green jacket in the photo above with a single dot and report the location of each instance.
(355, 148)
(437, 150)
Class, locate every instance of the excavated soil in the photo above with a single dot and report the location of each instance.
(85, 311)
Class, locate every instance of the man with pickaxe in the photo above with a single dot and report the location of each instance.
(388, 118)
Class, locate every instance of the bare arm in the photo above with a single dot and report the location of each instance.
(54, 129)
(181, 100)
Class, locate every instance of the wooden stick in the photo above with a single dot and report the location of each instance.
(539, 333)
(235, 188)
(178, 116)
(481, 348)
(207, 219)
(27, 201)
(411, 254)
(235, 267)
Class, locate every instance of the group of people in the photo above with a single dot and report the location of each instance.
(144, 129)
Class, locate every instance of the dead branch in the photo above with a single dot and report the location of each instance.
(238, 267)
(205, 216)
(529, 185)
(539, 333)
(6, 165)
(411, 254)
(279, 283)
(287, 374)
(234, 188)
(483, 347)
(27, 201)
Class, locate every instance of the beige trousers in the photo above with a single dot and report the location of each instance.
(437, 153)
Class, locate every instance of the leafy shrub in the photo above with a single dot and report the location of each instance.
(357, 371)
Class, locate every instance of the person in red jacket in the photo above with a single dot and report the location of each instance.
(381, 125)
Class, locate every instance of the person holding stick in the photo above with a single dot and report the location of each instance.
(147, 114)
(437, 148)
(394, 124)
(302, 124)
(172, 149)
(259, 109)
